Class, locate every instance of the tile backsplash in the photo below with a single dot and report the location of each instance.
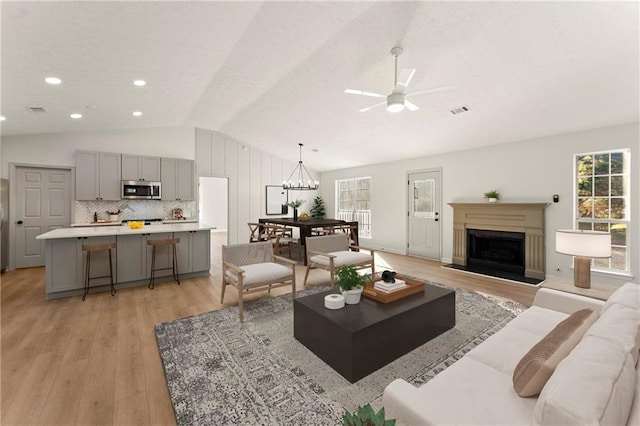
(132, 209)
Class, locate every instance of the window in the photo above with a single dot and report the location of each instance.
(602, 202)
(354, 203)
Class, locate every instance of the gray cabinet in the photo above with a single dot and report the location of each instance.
(98, 176)
(139, 167)
(193, 251)
(65, 263)
(134, 257)
(177, 177)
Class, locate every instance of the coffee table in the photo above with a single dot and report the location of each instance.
(359, 339)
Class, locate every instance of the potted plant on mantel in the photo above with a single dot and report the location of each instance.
(493, 196)
(351, 284)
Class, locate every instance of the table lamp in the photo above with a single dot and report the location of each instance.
(583, 245)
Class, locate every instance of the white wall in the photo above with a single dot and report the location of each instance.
(58, 149)
(213, 202)
(531, 170)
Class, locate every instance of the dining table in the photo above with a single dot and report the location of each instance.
(306, 225)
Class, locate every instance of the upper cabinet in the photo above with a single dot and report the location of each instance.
(177, 179)
(139, 167)
(98, 176)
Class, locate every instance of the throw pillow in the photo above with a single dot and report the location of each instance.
(535, 368)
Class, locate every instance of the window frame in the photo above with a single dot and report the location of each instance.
(593, 221)
(354, 214)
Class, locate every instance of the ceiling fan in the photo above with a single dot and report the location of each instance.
(397, 100)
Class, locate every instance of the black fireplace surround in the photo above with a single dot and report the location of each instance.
(497, 251)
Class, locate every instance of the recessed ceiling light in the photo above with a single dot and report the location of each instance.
(137, 113)
(75, 115)
(53, 80)
(2, 118)
(139, 83)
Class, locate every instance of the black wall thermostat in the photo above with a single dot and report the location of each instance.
(556, 198)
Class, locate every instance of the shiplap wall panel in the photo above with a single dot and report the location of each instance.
(244, 194)
(276, 171)
(256, 188)
(219, 154)
(231, 168)
(203, 152)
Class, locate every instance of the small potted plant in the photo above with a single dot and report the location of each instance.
(351, 284)
(492, 195)
(366, 416)
(114, 216)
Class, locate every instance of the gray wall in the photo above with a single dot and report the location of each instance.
(531, 170)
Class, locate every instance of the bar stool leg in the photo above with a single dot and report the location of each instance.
(175, 265)
(86, 276)
(153, 268)
(113, 289)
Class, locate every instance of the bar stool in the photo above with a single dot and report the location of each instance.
(174, 265)
(89, 248)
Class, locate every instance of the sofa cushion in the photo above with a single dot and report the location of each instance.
(628, 295)
(619, 324)
(493, 354)
(537, 365)
(594, 384)
(469, 393)
(538, 321)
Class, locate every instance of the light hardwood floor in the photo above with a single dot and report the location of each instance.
(69, 362)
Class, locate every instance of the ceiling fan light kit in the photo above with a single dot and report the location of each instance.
(397, 101)
(305, 181)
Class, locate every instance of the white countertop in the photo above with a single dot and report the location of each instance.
(105, 231)
(119, 223)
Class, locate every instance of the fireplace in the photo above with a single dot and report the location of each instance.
(500, 239)
(496, 250)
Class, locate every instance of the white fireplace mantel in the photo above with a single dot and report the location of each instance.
(527, 218)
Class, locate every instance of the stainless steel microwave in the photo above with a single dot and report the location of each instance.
(141, 190)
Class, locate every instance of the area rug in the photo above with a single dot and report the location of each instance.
(221, 372)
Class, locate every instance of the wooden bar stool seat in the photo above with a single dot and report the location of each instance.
(174, 264)
(89, 248)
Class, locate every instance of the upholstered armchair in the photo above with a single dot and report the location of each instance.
(253, 267)
(330, 252)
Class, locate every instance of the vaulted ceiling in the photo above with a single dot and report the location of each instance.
(272, 74)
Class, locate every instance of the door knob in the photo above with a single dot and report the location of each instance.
(19, 222)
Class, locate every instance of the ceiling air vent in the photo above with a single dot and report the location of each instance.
(459, 110)
(36, 109)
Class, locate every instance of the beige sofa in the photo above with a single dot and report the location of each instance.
(596, 383)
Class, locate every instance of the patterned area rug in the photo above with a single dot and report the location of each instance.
(221, 372)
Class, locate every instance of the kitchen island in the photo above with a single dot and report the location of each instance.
(131, 260)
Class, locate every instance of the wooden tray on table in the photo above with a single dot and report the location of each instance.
(413, 287)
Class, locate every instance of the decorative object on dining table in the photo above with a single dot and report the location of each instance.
(583, 245)
(351, 284)
(334, 301)
(493, 196)
(303, 216)
(294, 205)
(318, 209)
(114, 216)
(305, 182)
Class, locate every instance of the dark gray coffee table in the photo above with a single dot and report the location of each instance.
(359, 339)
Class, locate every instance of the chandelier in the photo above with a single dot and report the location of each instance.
(300, 179)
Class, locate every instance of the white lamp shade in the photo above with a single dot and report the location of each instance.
(583, 243)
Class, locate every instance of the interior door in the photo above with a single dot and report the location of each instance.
(424, 214)
(43, 203)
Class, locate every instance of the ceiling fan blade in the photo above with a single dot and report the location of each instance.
(406, 74)
(432, 90)
(373, 106)
(411, 106)
(363, 93)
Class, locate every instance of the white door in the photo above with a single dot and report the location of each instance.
(43, 203)
(424, 214)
